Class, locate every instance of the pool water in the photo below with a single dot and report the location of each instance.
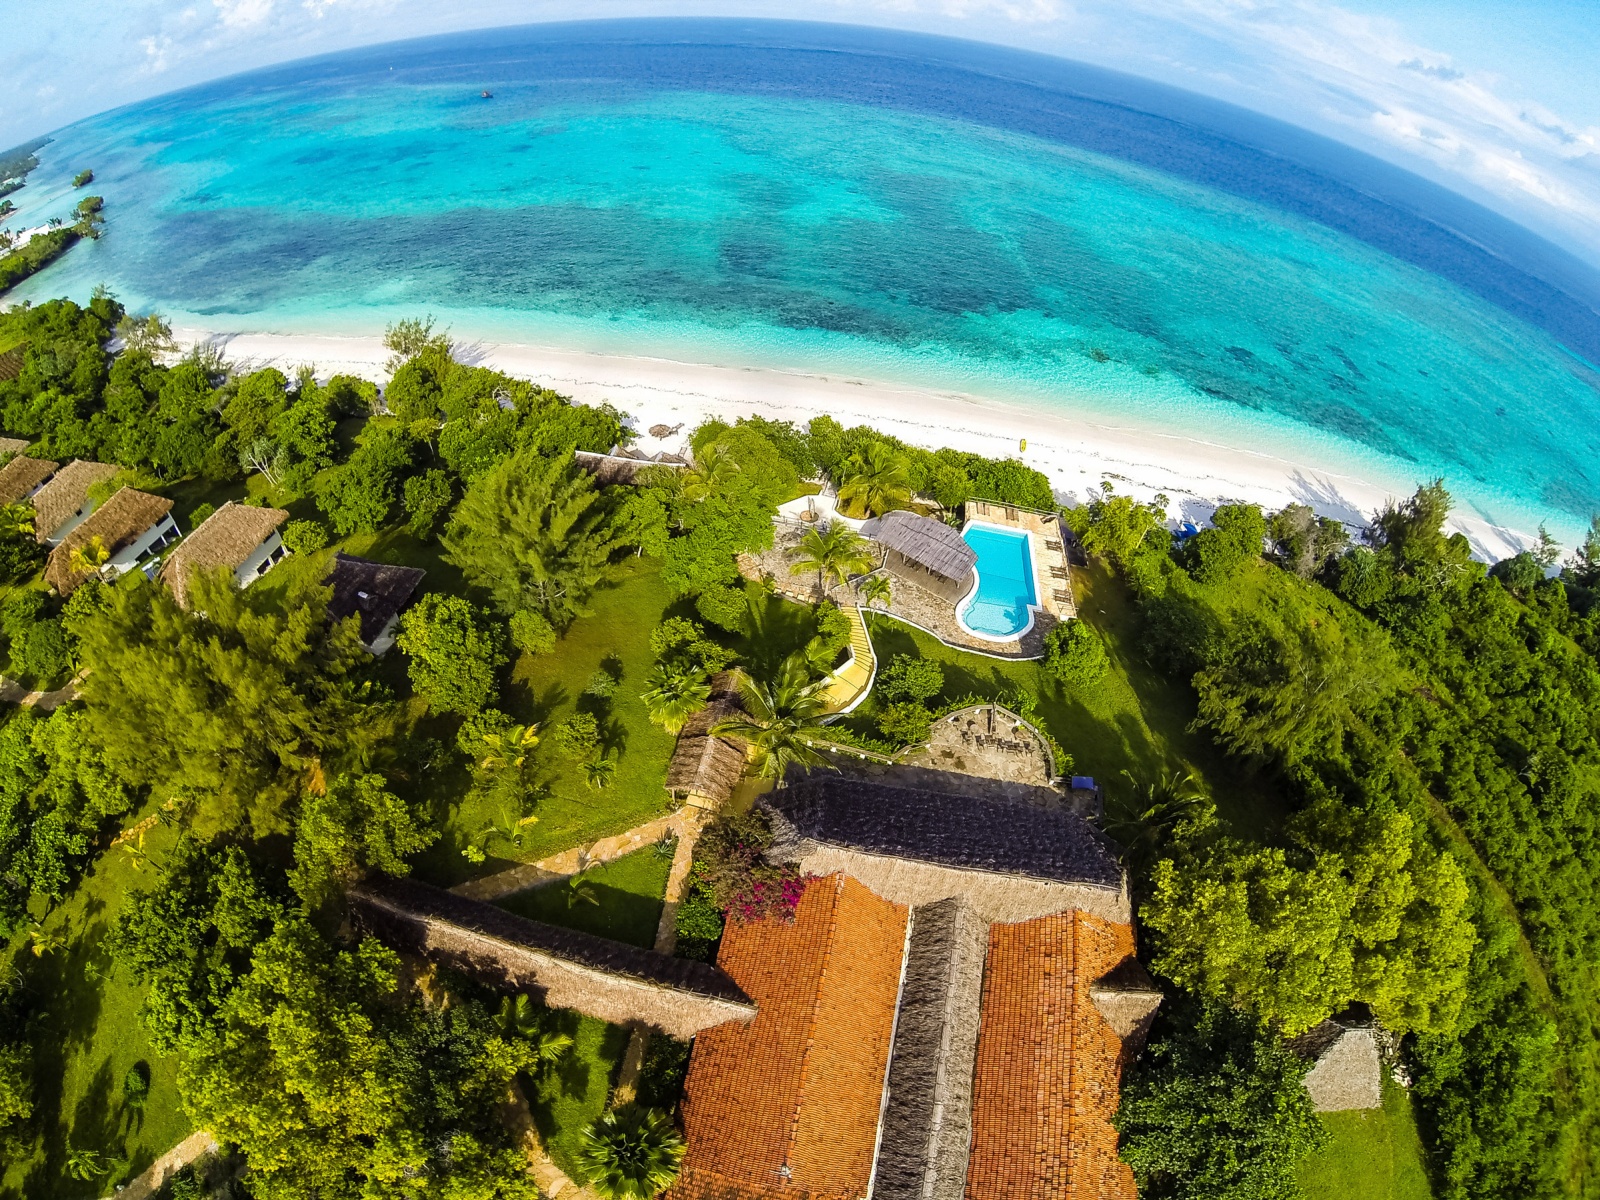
(1001, 605)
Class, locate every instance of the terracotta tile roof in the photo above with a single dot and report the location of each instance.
(117, 522)
(65, 494)
(1049, 1065)
(225, 539)
(21, 475)
(787, 1107)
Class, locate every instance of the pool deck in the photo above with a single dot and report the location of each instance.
(1051, 574)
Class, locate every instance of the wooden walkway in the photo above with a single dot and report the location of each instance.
(849, 685)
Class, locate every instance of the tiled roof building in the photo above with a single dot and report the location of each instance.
(787, 1107)
(923, 1030)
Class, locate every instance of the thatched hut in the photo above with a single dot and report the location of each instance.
(1349, 1070)
(1011, 860)
(566, 968)
(132, 526)
(377, 592)
(241, 537)
(925, 552)
(11, 447)
(23, 476)
(927, 1117)
(1127, 998)
(705, 770)
(622, 465)
(63, 503)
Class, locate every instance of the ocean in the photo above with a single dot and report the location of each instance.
(880, 205)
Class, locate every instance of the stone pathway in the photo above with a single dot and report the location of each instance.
(169, 1164)
(12, 692)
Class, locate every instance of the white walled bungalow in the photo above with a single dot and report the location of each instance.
(241, 537)
(63, 503)
(132, 527)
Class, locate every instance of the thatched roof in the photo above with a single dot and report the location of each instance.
(926, 542)
(120, 520)
(1349, 1069)
(226, 538)
(927, 1122)
(375, 590)
(623, 465)
(1127, 998)
(963, 832)
(65, 494)
(21, 475)
(13, 445)
(705, 765)
(435, 905)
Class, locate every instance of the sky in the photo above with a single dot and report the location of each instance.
(1496, 99)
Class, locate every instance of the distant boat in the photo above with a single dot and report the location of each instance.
(487, 95)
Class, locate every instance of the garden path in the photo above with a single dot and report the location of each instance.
(12, 692)
(169, 1164)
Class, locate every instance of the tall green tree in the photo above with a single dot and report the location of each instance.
(228, 705)
(875, 479)
(455, 651)
(354, 826)
(782, 719)
(534, 533)
(836, 553)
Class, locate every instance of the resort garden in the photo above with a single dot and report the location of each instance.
(1336, 774)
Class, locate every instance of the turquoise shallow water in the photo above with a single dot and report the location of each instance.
(594, 204)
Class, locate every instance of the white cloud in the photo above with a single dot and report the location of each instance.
(155, 53)
(241, 14)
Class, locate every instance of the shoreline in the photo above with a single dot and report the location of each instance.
(1074, 451)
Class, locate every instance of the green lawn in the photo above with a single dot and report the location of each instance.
(1372, 1155)
(573, 1093)
(86, 1034)
(1135, 720)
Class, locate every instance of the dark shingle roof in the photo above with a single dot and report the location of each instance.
(375, 590)
(966, 832)
(928, 542)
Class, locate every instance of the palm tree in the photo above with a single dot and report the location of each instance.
(510, 748)
(16, 520)
(581, 888)
(712, 468)
(836, 552)
(598, 772)
(89, 557)
(43, 942)
(782, 719)
(1168, 799)
(677, 691)
(84, 1165)
(505, 827)
(631, 1153)
(877, 478)
(875, 588)
(520, 1018)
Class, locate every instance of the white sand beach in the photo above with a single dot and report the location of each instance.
(1075, 452)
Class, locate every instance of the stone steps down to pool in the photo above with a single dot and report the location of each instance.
(849, 685)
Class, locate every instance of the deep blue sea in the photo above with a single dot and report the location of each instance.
(884, 205)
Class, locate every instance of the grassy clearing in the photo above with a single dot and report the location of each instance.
(1136, 720)
(1371, 1155)
(625, 904)
(86, 1034)
(628, 894)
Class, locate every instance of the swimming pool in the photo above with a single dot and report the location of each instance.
(1000, 608)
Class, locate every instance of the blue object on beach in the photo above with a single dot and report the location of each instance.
(1001, 605)
(1186, 531)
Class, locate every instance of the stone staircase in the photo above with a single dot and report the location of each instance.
(849, 685)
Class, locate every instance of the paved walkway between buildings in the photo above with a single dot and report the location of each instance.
(12, 692)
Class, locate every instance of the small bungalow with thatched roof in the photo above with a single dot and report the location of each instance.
(1348, 1068)
(61, 505)
(374, 591)
(622, 464)
(705, 770)
(925, 552)
(22, 477)
(127, 530)
(240, 537)
(11, 447)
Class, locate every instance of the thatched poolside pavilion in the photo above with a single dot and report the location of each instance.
(925, 552)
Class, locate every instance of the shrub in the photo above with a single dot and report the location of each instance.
(1075, 655)
(426, 497)
(472, 737)
(729, 859)
(672, 633)
(724, 606)
(910, 678)
(631, 1153)
(602, 685)
(907, 723)
(833, 627)
(578, 736)
(136, 1086)
(198, 517)
(305, 537)
(531, 633)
